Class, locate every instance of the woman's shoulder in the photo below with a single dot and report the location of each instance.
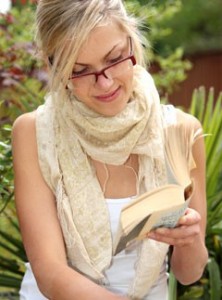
(176, 116)
(25, 120)
(24, 127)
(188, 120)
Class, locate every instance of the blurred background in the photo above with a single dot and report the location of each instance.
(184, 55)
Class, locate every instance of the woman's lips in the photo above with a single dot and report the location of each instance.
(110, 96)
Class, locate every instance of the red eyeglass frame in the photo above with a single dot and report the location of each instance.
(102, 72)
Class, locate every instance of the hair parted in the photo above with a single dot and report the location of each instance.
(63, 26)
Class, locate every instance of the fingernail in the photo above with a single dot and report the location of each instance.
(183, 219)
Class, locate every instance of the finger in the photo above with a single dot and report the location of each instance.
(191, 217)
(180, 242)
(179, 232)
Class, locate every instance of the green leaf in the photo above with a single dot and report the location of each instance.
(11, 265)
(17, 248)
(192, 293)
(10, 281)
(172, 287)
(215, 279)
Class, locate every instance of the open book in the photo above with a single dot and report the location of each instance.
(163, 206)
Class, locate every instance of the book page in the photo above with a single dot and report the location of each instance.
(177, 144)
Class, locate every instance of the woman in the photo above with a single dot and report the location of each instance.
(95, 144)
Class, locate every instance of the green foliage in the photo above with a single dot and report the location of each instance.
(214, 279)
(12, 254)
(172, 287)
(196, 27)
(22, 76)
(208, 111)
(6, 176)
(211, 119)
(22, 81)
(168, 70)
(19, 4)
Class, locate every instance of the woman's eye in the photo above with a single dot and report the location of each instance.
(116, 59)
(80, 72)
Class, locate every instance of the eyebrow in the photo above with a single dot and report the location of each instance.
(113, 48)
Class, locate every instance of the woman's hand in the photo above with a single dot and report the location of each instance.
(184, 234)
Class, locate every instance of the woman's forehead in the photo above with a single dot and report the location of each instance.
(101, 41)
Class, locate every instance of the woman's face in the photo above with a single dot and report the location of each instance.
(105, 46)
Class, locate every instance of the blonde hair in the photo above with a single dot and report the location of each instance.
(63, 26)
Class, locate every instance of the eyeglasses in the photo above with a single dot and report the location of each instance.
(110, 72)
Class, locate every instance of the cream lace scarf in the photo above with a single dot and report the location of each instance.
(68, 133)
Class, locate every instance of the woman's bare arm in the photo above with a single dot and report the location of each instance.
(189, 255)
(41, 232)
(189, 258)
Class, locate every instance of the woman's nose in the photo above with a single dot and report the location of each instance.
(103, 81)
